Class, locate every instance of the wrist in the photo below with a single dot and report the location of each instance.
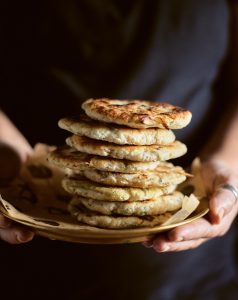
(224, 159)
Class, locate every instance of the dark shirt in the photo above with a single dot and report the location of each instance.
(59, 53)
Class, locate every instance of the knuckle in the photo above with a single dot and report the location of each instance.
(10, 235)
(215, 232)
(229, 206)
(174, 235)
(211, 234)
(13, 241)
(222, 232)
(4, 222)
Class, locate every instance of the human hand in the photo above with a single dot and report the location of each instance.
(14, 233)
(10, 231)
(223, 210)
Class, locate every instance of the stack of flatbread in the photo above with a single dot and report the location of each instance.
(115, 162)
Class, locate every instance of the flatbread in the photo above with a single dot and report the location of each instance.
(116, 134)
(134, 153)
(124, 166)
(90, 189)
(150, 207)
(115, 222)
(137, 114)
(68, 159)
(141, 180)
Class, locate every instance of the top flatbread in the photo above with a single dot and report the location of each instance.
(137, 114)
(117, 134)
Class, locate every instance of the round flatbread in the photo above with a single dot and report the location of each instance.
(90, 189)
(135, 153)
(67, 157)
(70, 159)
(137, 114)
(141, 180)
(150, 207)
(115, 222)
(117, 134)
(124, 166)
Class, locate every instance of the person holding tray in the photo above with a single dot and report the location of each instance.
(182, 52)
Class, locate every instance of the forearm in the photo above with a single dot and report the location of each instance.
(228, 147)
(11, 136)
(14, 150)
(223, 143)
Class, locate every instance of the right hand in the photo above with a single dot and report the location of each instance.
(10, 231)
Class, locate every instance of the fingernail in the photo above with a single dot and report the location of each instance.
(179, 239)
(174, 237)
(24, 237)
(5, 223)
(221, 213)
(148, 244)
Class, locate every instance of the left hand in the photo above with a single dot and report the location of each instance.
(223, 210)
(14, 233)
(10, 164)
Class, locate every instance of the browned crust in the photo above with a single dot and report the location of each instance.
(130, 152)
(137, 114)
(66, 156)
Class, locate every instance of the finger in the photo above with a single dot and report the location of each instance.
(16, 234)
(164, 245)
(148, 244)
(4, 222)
(195, 230)
(221, 204)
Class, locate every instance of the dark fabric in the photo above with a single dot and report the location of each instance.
(57, 54)
(157, 50)
(47, 269)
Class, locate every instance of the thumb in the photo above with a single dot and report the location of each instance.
(221, 204)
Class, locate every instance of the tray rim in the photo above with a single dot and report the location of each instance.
(96, 235)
